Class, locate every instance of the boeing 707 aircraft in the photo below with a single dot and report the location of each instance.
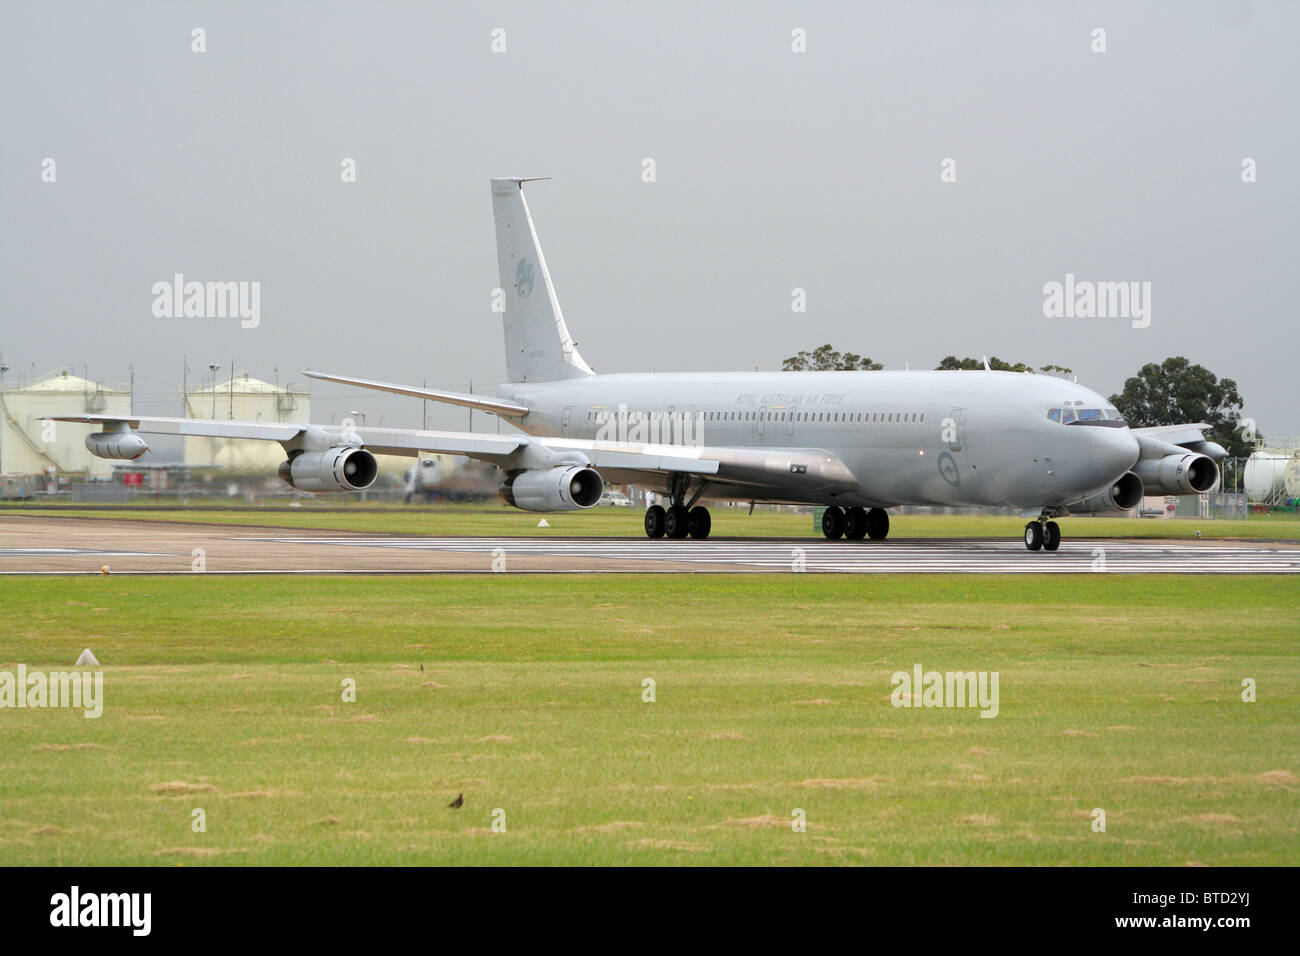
(857, 443)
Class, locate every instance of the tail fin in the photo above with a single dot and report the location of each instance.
(538, 345)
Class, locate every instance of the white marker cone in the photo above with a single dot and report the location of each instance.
(543, 523)
(87, 659)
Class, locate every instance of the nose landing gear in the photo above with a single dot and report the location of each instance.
(1042, 535)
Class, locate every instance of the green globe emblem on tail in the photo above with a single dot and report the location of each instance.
(524, 278)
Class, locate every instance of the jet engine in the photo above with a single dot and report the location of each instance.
(1124, 494)
(116, 444)
(564, 488)
(1182, 474)
(339, 469)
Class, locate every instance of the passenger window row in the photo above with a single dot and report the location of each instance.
(873, 418)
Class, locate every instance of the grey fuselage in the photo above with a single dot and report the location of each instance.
(909, 438)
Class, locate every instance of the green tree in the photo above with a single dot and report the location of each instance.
(1176, 392)
(826, 359)
(1060, 371)
(951, 362)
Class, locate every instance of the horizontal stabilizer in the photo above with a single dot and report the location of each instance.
(495, 405)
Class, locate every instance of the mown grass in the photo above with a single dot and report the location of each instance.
(772, 694)
(490, 520)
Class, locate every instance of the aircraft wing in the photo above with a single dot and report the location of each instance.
(1190, 436)
(380, 441)
(630, 461)
(813, 468)
(208, 428)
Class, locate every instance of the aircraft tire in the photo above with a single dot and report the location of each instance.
(833, 522)
(678, 523)
(701, 522)
(1034, 536)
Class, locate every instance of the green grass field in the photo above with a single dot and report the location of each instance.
(772, 694)
(496, 519)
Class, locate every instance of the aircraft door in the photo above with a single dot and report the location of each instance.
(758, 424)
(954, 429)
(564, 425)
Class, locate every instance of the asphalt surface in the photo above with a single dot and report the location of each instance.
(53, 545)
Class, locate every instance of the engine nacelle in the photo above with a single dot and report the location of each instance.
(339, 469)
(123, 444)
(1185, 474)
(1125, 494)
(564, 488)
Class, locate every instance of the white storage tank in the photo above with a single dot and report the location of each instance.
(1291, 481)
(1265, 474)
(243, 399)
(29, 445)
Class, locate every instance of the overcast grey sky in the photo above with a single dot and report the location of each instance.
(774, 170)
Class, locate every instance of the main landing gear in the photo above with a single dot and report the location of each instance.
(855, 523)
(683, 517)
(1042, 534)
(677, 522)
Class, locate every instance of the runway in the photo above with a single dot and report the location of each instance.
(52, 545)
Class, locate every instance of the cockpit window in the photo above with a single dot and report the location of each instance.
(1070, 415)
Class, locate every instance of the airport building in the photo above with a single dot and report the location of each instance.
(30, 446)
(244, 399)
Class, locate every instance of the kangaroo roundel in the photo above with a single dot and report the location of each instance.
(524, 278)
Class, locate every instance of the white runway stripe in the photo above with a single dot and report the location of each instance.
(862, 557)
(65, 552)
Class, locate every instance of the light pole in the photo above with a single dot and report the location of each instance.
(3, 368)
(213, 368)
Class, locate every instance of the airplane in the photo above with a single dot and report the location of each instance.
(856, 443)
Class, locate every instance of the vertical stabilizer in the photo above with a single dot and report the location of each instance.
(538, 345)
